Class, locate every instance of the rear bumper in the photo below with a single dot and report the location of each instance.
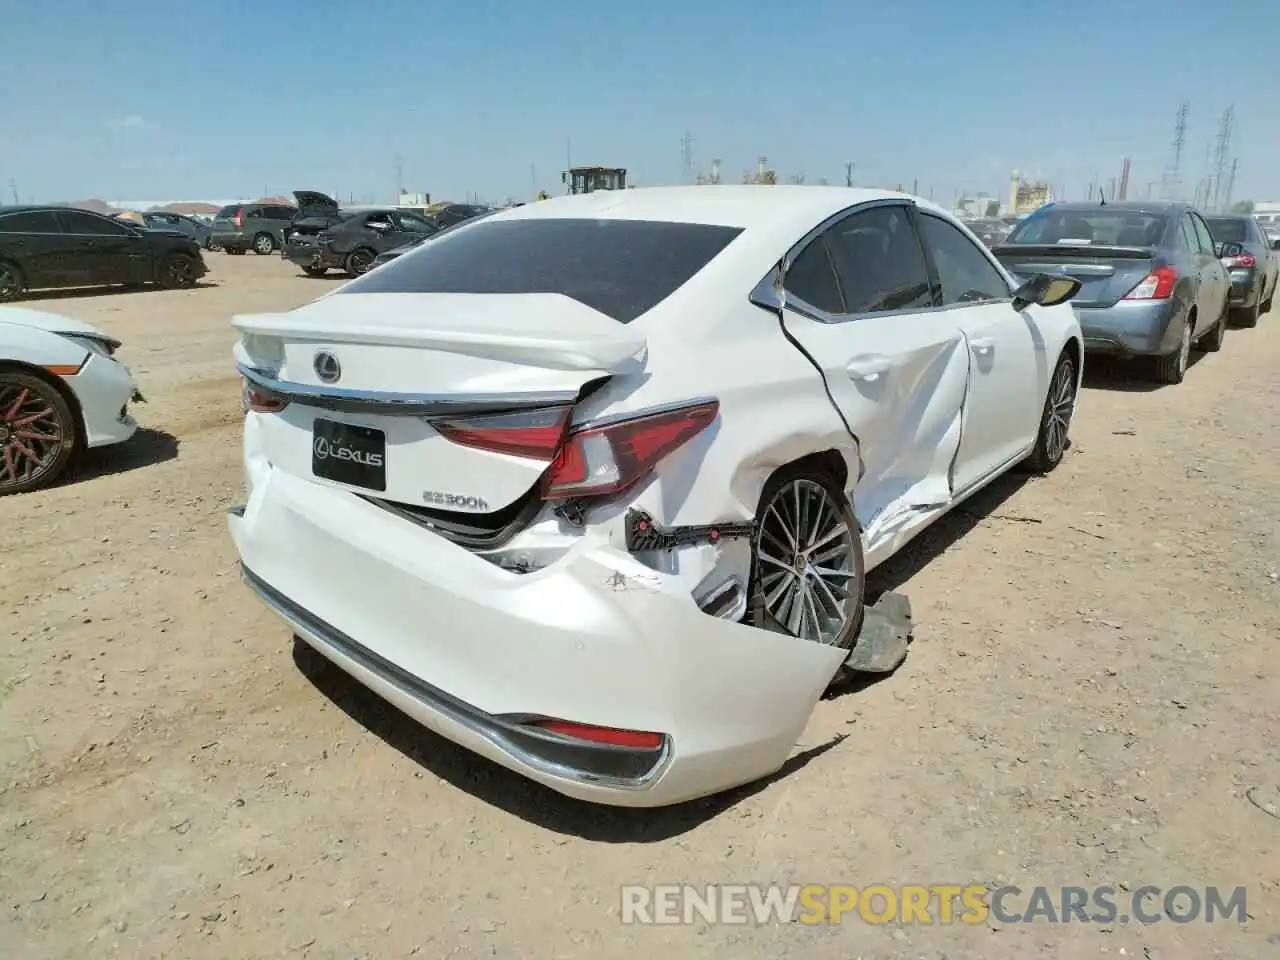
(1131, 328)
(467, 649)
(1246, 287)
(310, 255)
(231, 241)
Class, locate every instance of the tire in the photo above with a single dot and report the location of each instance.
(1212, 341)
(359, 261)
(1055, 418)
(315, 271)
(774, 560)
(37, 432)
(1172, 368)
(264, 244)
(1247, 316)
(12, 283)
(235, 252)
(177, 272)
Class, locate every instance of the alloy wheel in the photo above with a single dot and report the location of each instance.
(360, 262)
(807, 560)
(31, 434)
(263, 245)
(1062, 402)
(180, 272)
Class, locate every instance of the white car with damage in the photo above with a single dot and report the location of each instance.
(62, 390)
(591, 486)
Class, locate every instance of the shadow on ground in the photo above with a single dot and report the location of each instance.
(72, 293)
(1128, 376)
(146, 448)
(513, 793)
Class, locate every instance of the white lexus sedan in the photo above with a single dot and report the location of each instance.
(61, 390)
(590, 486)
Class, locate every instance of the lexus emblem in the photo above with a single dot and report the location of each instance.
(327, 367)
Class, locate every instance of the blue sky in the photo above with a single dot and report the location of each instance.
(228, 98)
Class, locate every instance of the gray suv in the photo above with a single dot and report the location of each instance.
(259, 227)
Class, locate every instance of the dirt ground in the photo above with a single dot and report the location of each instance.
(1092, 698)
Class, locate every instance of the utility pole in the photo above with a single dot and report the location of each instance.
(915, 186)
(1225, 129)
(848, 173)
(533, 180)
(13, 188)
(399, 179)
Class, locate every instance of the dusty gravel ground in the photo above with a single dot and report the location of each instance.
(1092, 692)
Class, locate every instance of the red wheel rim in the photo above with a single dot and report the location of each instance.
(31, 435)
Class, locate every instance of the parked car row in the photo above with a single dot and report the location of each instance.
(1157, 278)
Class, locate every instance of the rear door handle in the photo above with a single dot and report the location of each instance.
(983, 345)
(867, 367)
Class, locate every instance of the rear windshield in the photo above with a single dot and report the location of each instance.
(623, 268)
(226, 213)
(1228, 229)
(1100, 226)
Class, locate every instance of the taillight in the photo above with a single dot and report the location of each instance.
(614, 737)
(1156, 285)
(238, 219)
(604, 460)
(1244, 261)
(536, 434)
(261, 401)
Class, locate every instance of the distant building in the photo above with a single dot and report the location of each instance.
(1026, 196)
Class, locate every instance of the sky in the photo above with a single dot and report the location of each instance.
(243, 98)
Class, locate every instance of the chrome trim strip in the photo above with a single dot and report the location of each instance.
(403, 404)
(472, 718)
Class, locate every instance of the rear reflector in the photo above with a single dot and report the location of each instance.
(636, 739)
(1157, 285)
(536, 434)
(260, 401)
(608, 459)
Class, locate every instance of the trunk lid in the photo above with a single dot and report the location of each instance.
(370, 376)
(1106, 273)
(313, 203)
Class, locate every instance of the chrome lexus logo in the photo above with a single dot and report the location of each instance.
(327, 367)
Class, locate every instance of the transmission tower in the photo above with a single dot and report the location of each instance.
(1172, 183)
(1231, 185)
(1225, 129)
(686, 158)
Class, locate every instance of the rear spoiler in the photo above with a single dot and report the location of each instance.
(1073, 250)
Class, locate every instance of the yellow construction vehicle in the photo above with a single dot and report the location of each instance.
(591, 179)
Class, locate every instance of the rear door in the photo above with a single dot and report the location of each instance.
(101, 250)
(859, 300)
(1213, 277)
(33, 239)
(1007, 362)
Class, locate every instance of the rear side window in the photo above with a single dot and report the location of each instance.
(1228, 229)
(879, 262)
(87, 224)
(623, 268)
(29, 223)
(226, 213)
(812, 278)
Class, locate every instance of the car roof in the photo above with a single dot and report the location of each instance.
(1127, 206)
(788, 208)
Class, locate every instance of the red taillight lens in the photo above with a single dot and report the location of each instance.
(610, 735)
(238, 219)
(536, 434)
(1244, 261)
(607, 459)
(260, 401)
(1156, 285)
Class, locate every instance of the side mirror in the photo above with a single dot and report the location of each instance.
(1275, 243)
(1046, 290)
(1228, 249)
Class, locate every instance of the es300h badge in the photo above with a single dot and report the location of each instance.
(455, 501)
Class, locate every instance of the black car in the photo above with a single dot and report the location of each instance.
(455, 213)
(353, 241)
(46, 247)
(1253, 271)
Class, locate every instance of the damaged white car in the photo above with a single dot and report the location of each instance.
(590, 487)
